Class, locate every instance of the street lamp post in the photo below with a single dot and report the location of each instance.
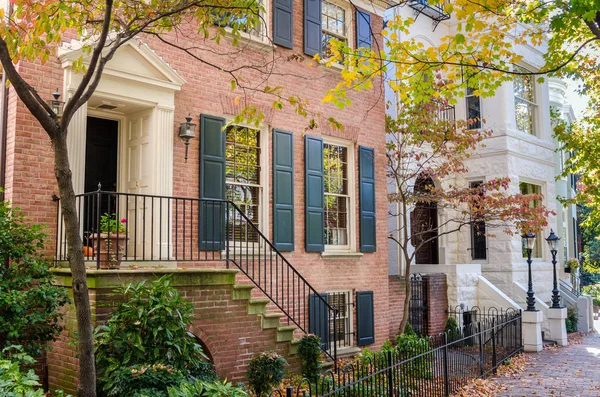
(552, 243)
(528, 243)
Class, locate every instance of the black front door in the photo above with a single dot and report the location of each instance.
(101, 153)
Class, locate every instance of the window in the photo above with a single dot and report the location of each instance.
(239, 21)
(473, 109)
(333, 26)
(337, 197)
(478, 238)
(242, 178)
(342, 301)
(529, 188)
(525, 105)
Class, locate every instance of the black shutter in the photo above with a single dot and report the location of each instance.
(283, 23)
(314, 181)
(312, 27)
(283, 190)
(212, 183)
(365, 318)
(318, 316)
(366, 182)
(363, 29)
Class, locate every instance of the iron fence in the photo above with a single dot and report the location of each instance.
(177, 229)
(418, 305)
(429, 367)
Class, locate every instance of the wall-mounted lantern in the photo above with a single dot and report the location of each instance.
(56, 104)
(187, 131)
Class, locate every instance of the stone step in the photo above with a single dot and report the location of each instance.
(242, 292)
(257, 306)
(285, 333)
(271, 320)
(294, 345)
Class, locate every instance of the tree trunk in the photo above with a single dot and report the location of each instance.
(81, 298)
(408, 294)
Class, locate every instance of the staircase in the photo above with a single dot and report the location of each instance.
(181, 230)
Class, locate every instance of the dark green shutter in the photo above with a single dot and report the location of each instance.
(315, 221)
(212, 183)
(283, 190)
(363, 29)
(312, 27)
(283, 23)
(366, 182)
(318, 317)
(365, 318)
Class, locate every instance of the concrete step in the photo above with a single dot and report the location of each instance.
(294, 345)
(271, 320)
(257, 306)
(242, 292)
(285, 333)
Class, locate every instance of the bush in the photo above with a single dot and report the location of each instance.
(409, 330)
(206, 389)
(16, 382)
(149, 330)
(29, 301)
(572, 319)
(451, 324)
(265, 371)
(410, 345)
(309, 352)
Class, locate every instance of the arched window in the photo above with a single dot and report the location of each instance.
(424, 225)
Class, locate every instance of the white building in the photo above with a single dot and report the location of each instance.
(492, 271)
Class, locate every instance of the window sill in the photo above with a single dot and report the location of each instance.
(348, 351)
(250, 40)
(341, 255)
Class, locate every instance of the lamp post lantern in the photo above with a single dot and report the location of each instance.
(529, 242)
(552, 243)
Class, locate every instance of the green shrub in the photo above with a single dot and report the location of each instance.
(409, 330)
(206, 389)
(572, 319)
(149, 329)
(451, 324)
(309, 351)
(14, 381)
(410, 345)
(265, 371)
(29, 301)
(139, 380)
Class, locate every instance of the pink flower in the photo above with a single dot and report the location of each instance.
(123, 220)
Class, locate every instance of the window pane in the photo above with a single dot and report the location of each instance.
(474, 111)
(524, 116)
(530, 188)
(335, 164)
(334, 26)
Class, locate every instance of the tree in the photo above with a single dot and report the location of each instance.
(425, 148)
(32, 30)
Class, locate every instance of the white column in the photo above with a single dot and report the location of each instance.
(76, 138)
(558, 328)
(163, 174)
(532, 331)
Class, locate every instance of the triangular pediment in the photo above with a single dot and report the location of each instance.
(134, 60)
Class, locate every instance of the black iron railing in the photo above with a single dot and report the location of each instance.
(178, 229)
(465, 315)
(418, 305)
(569, 289)
(434, 366)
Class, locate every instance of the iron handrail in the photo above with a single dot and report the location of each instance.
(569, 289)
(277, 278)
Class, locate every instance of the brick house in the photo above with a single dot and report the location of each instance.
(267, 228)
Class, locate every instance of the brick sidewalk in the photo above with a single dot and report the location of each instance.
(573, 371)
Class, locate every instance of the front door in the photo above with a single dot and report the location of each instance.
(137, 154)
(101, 159)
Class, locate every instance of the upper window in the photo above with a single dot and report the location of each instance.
(478, 238)
(530, 188)
(333, 26)
(337, 197)
(473, 110)
(525, 100)
(242, 179)
(239, 21)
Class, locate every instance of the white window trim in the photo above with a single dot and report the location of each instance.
(536, 95)
(540, 235)
(480, 109)
(263, 207)
(350, 249)
(263, 40)
(349, 16)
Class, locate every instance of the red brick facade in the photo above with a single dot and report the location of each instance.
(30, 184)
(437, 302)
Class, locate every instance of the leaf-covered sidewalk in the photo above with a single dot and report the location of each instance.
(572, 371)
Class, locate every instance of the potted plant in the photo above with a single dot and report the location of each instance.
(572, 265)
(113, 239)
